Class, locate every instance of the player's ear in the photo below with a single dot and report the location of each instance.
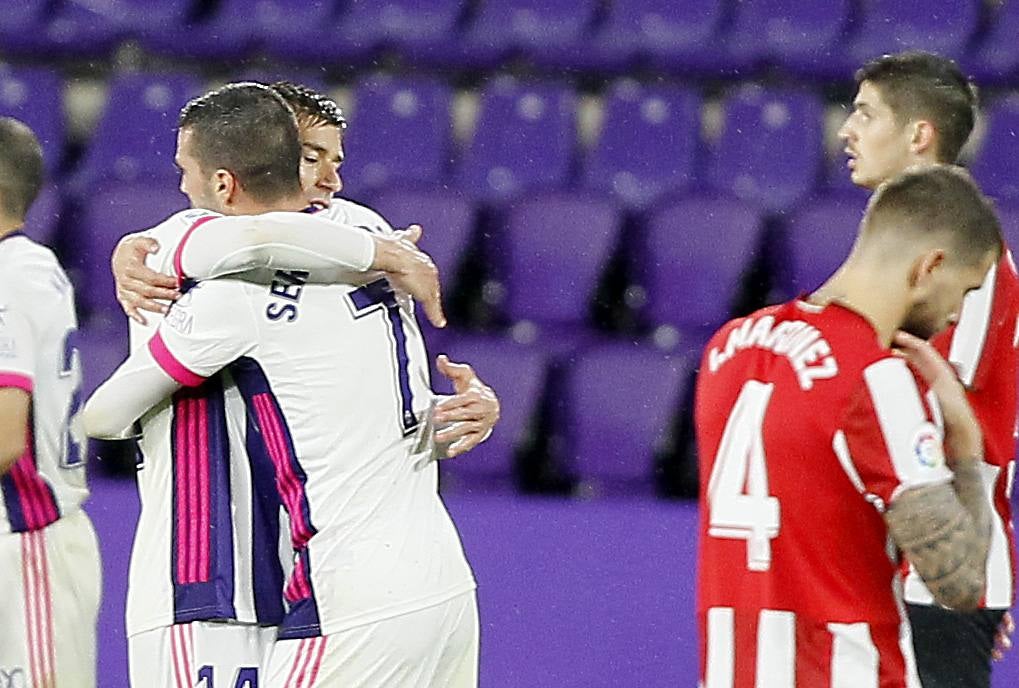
(925, 266)
(224, 186)
(924, 137)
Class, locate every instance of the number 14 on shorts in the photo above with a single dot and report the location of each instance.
(246, 677)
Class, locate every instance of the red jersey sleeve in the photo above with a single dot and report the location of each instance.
(888, 442)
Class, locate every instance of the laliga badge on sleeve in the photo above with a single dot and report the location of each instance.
(927, 447)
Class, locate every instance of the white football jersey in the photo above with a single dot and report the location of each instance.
(38, 330)
(207, 542)
(336, 383)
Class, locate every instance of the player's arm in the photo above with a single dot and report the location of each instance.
(15, 403)
(17, 353)
(135, 387)
(330, 251)
(945, 529)
(205, 331)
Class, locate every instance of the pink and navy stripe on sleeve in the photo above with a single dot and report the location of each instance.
(29, 499)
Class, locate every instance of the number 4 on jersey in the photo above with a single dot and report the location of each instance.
(739, 505)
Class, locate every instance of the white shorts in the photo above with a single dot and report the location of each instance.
(200, 653)
(51, 580)
(435, 647)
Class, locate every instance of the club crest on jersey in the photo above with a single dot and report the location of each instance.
(927, 447)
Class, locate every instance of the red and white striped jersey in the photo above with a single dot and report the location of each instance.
(37, 353)
(983, 349)
(807, 429)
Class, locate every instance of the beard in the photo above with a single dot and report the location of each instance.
(921, 323)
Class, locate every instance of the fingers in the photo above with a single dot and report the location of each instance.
(468, 410)
(433, 307)
(412, 234)
(147, 276)
(147, 290)
(462, 375)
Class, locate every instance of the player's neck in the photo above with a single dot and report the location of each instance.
(251, 206)
(9, 225)
(854, 289)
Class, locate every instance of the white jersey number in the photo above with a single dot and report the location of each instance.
(739, 504)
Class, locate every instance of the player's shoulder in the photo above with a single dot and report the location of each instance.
(357, 215)
(171, 231)
(29, 267)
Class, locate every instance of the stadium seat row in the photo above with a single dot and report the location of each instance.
(768, 150)
(825, 40)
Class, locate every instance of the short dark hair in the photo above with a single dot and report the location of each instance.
(938, 199)
(21, 168)
(248, 129)
(919, 84)
(308, 103)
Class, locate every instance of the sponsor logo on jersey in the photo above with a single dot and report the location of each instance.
(179, 319)
(8, 347)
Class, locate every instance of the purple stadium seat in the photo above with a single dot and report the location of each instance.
(621, 400)
(648, 143)
(554, 249)
(943, 26)
(995, 60)
(400, 132)
(698, 250)
(134, 141)
(524, 139)
(447, 219)
(240, 26)
(43, 220)
(642, 28)
(35, 96)
(67, 29)
(25, 15)
(775, 30)
(105, 218)
(416, 28)
(144, 18)
(531, 26)
(819, 238)
(318, 34)
(770, 150)
(517, 373)
(997, 162)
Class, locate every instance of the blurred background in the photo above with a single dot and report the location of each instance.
(602, 184)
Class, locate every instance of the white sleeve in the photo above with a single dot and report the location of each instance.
(136, 386)
(17, 348)
(278, 241)
(208, 328)
(970, 335)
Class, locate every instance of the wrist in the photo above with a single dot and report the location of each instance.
(388, 255)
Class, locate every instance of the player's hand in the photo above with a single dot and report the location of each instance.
(963, 437)
(410, 270)
(139, 287)
(472, 411)
(1003, 639)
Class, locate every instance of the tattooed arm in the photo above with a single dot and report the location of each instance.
(945, 530)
